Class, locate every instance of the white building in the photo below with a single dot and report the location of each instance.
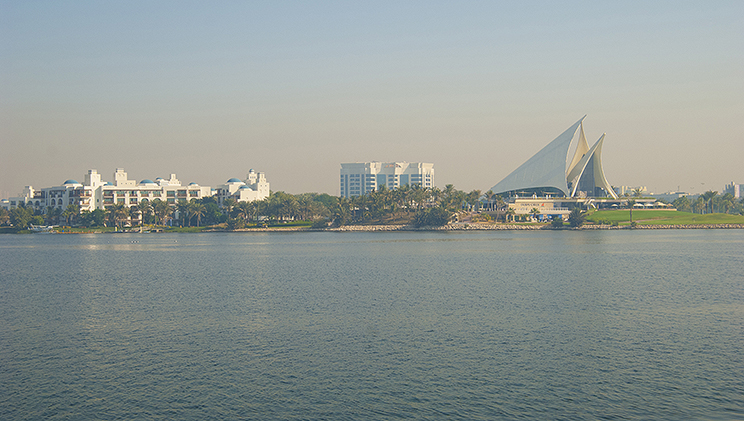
(630, 190)
(254, 187)
(363, 177)
(548, 174)
(733, 188)
(94, 193)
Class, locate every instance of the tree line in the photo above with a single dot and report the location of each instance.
(710, 202)
(409, 204)
(414, 205)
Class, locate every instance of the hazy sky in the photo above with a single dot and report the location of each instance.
(208, 90)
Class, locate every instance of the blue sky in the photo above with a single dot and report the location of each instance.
(208, 91)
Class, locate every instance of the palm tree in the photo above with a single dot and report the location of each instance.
(162, 210)
(134, 213)
(534, 212)
(228, 204)
(197, 209)
(116, 214)
(145, 209)
(576, 218)
(473, 199)
(490, 196)
(509, 214)
(70, 213)
(708, 198)
(183, 211)
(243, 210)
(630, 203)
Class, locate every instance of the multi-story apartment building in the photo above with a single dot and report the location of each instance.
(363, 177)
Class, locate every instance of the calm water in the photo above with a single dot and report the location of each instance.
(491, 325)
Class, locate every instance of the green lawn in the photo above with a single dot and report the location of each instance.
(663, 217)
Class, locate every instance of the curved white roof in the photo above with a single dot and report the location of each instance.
(547, 168)
(599, 179)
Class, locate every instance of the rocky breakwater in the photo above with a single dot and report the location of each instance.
(690, 226)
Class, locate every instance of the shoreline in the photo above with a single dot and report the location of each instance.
(446, 228)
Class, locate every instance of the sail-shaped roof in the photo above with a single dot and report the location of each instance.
(588, 172)
(581, 149)
(546, 169)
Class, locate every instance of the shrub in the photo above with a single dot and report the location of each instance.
(319, 223)
(235, 223)
(576, 218)
(433, 217)
(557, 222)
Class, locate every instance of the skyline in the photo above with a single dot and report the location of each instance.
(209, 91)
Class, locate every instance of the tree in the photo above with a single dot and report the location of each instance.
(228, 204)
(117, 214)
(473, 199)
(509, 215)
(576, 218)
(182, 207)
(682, 204)
(708, 198)
(433, 217)
(162, 210)
(341, 212)
(198, 210)
(21, 217)
(243, 211)
(490, 197)
(145, 210)
(52, 215)
(630, 203)
(70, 214)
(134, 214)
(557, 222)
(534, 212)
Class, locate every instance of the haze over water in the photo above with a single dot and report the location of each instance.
(487, 325)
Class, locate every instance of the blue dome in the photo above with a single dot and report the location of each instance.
(70, 181)
(245, 187)
(234, 180)
(147, 181)
(108, 183)
(193, 184)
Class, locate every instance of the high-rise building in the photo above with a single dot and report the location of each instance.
(363, 177)
(733, 188)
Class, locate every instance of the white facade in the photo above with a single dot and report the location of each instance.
(733, 188)
(94, 193)
(254, 187)
(363, 177)
(630, 190)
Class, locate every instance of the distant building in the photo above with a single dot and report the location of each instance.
(547, 174)
(630, 190)
(94, 193)
(733, 188)
(668, 197)
(254, 187)
(363, 177)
